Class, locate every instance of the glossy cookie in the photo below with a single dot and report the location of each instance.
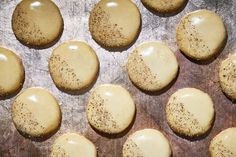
(73, 145)
(152, 66)
(227, 76)
(224, 144)
(147, 143)
(110, 109)
(201, 34)
(73, 66)
(190, 112)
(12, 73)
(115, 23)
(165, 6)
(36, 113)
(37, 23)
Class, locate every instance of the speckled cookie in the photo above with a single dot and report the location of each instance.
(110, 109)
(37, 23)
(224, 144)
(115, 23)
(227, 76)
(73, 145)
(152, 66)
(147, 143)
(165, 6)
(190, 112)
(73, 66)
(201, 34)
(12, 73)
(36, 113)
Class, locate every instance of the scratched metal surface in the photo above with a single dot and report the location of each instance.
(150, 108)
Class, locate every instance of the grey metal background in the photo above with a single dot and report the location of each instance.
(150, 108)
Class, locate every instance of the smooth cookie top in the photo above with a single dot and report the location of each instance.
(115, 23)
(201, 34)
(110, 108)
(12, 72)
(37, 23)
(147, 143)
(190, 112)
(152, 66)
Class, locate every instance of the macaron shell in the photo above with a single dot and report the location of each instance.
(185, 113)
(73, 145)
(114, 23)
(147, 143)
(105, 110)
(36, 113)
(37, 23)
(152, 66)
(13, 79)
(201, 34)
(224, 144)
(73, 66)
(226, 75)
(164, 6)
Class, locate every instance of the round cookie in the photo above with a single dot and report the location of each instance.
(165, 6)
(227, 76)
(115, 23)
(12, 73)
(73, 66)
(110, 109)
(201, 34)
(37, 23)
(224, 144)
(147, 143)
(36, 113)
(73, 145)
(190, 112)
(152, 66)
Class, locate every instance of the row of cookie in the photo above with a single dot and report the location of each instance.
(112, 23)
(37, 115)
(74, 67)
(115, 24)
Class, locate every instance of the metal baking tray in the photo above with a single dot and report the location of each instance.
(150, 107)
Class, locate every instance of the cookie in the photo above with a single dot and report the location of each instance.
(147, 143)
(227, 75)
(190, 112)
(165, 6)
(12, 73)
(73, 145)
(110, 109)
(224, 144)
(73, 66)
(201, 35)
(152, 66)
(36, 113)
(37, 23)
(115, 23)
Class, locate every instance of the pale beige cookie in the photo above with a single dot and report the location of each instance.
(165, 6)
(224, 144)
(115, 23)
(201, 34)
(73, 66)
(12, 73)
(152, 66)
(110, 109)
(73, 145)
(37, 23)
(147, 143)
(190, 112)
(36, 113)
(227, 76)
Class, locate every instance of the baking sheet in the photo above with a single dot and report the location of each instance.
(150, 108)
